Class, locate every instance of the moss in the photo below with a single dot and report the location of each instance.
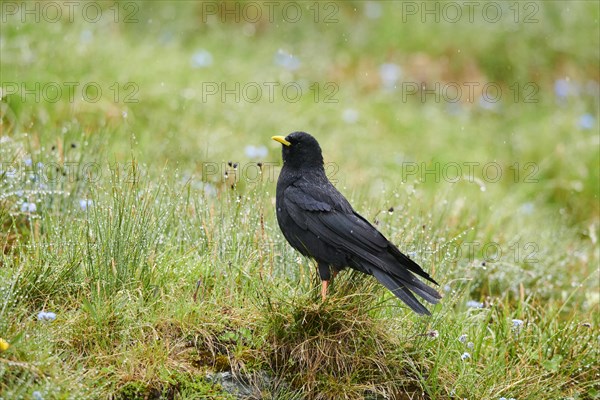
(133, 391)
(176, 386)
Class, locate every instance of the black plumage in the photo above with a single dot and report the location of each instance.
(317, 220)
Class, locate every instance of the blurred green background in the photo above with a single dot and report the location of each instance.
(136, 157)
(378, 83)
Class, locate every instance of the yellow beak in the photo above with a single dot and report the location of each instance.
(281, 140)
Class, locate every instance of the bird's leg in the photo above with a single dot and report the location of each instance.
(325, 275)
(324, 286)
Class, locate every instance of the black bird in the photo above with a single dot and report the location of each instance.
(318, 221)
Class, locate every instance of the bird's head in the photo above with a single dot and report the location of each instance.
(300, 150)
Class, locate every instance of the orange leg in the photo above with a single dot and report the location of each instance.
(325, 285)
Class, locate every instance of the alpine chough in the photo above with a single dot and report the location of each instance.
(318, 221)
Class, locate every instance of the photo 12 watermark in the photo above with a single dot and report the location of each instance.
(269, 11)
(54, 92)
(469, 92)
(39, 173)
(69, 11)
(470, 171)
(270, 92)
(453, 12)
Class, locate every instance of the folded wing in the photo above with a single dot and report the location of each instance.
(322, 215)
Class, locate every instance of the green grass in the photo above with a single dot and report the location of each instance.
(163, 272)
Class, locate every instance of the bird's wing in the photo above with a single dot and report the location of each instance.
(324, 197)
(343, 229)
(333, 221)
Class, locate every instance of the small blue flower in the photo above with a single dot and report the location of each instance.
(28, 162)
(470, 345)
(465, 356)
(256, 152)
(202, 58)
(85, 203)
(209, 190)
(373, 9)
(462, 338)
(37, 395)
(46, 316)
(454, 108)
(390, 73)
(474, 304)
(586, 121)
(517, 324)
(86, 36)
(527, 208)
(28, 207)
(486, 104)
(286, 60)
(563, 88)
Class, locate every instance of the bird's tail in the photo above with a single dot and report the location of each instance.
(403, 290)
(409, 264)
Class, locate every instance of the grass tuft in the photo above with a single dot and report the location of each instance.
(337, 348)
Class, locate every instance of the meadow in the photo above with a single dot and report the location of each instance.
(141, 257)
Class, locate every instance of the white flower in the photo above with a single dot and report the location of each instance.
(462, 338)
(465, 356)
(350, 115)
